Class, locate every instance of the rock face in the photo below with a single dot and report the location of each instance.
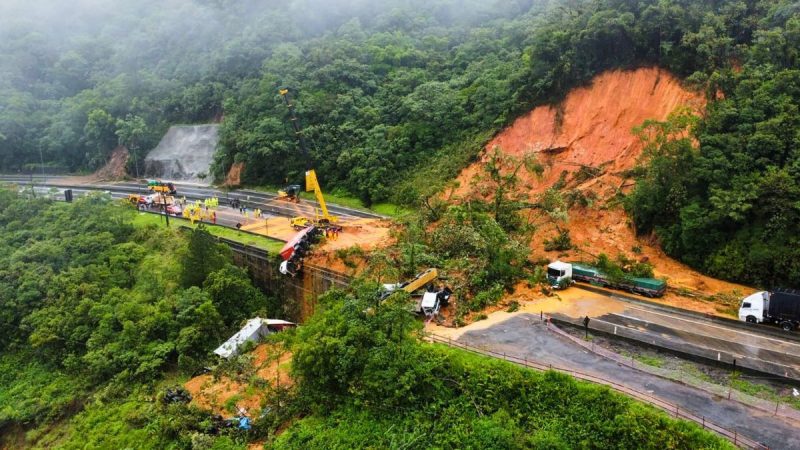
(184, 153)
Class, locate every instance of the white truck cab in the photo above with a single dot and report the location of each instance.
(557, 272)
(753, 307)
(430, 304)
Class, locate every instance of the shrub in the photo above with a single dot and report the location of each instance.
(561, 242)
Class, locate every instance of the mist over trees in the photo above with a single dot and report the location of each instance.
(396, 97)
(167, 62)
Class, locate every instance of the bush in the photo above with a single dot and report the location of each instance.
(561, 242)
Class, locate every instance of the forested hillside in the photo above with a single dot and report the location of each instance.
(77, 78)
(397, 97)
(100, 317)
(95, 308)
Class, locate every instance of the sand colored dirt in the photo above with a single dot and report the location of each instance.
(595, 231)
(592, 128)
(114, 169)
(269, 363)
(366, 233)
(234, 177)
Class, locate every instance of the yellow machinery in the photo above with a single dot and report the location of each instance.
(312, 184)
(420, 281)
(432, 299)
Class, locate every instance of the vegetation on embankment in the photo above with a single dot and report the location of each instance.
(396, 98)
(154, 220)
(100, 316)
(96, 312)
(364, 379)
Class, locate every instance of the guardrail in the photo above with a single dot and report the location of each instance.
(775, 408)
(690, 350)
(674, 410)
(247, 198)
(763, 330)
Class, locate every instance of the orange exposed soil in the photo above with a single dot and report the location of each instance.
(115, 167)
(592, 128)
(366, 233)
(234, 177)
(268, 363)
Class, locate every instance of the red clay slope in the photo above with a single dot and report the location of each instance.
(595, 124)
(593, 127)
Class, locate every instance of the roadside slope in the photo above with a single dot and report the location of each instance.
(587, 148)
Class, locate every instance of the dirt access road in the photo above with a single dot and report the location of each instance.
(525, 336)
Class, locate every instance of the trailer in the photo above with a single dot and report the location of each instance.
(432, 299)
(561, 275)
(780, 307)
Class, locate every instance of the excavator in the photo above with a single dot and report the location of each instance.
(431, 301)
(292, 192)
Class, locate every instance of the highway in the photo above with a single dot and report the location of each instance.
(252, 199)
(756, 347)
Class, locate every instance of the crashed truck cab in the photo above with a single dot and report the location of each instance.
(559, 273)
(753, 306)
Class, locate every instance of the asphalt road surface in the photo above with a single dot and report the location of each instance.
(690, 335)
(767, 354)
(252, 199)
(525, 336)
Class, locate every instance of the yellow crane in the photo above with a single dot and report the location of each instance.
(312, 183)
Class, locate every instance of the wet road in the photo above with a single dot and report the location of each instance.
(751, 346)
(526, 336)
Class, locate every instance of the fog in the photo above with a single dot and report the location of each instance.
(186, 37)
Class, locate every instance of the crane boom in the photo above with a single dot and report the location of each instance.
(312, 184)
(298, 131)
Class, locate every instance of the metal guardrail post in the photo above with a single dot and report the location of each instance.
(700, 420)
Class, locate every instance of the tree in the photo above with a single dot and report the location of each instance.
(202, 256)
(234, 296)
(130, 132)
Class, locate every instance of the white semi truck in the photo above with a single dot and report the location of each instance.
(780, 307)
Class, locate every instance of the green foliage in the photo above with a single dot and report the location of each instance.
(93, 310)
(33, 393)
(622, 268)
(368, 382)
(202, 257)
(561, 242)
(727, 207)
(233, 294)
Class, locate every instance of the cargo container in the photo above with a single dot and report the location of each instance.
(560, 275)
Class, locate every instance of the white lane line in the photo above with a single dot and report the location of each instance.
(678, 317)
(792, 366)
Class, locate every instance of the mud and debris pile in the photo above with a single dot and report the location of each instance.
(587, 147)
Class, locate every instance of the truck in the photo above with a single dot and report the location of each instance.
(431, 301)
(162, 187)
(780, 307)
(561, 275)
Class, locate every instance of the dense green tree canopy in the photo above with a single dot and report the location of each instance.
(96, 302)
(396, 97)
